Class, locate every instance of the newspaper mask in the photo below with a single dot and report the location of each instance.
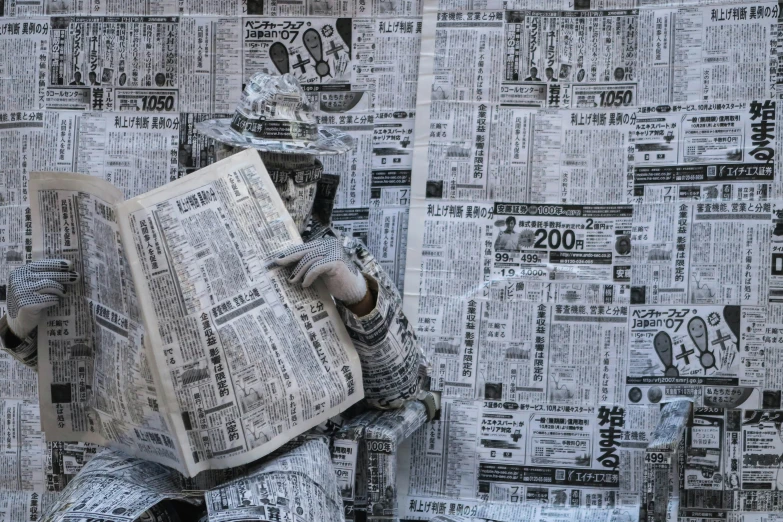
(274, 115)
(296, 178)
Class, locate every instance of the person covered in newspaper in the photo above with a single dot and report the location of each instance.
(275, 117)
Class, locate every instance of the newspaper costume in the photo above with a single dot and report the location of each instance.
(405, 384)
(682, 68)
(392, 367)
(275, 118)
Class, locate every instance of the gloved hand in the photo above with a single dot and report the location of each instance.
(325, 258)
(33, 288)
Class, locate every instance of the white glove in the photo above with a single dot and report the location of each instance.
(33, 288)
(325, 258)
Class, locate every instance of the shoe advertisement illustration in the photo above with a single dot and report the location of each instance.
(326, 55)
(698, 342)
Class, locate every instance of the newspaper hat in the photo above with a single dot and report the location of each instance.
(274, 115)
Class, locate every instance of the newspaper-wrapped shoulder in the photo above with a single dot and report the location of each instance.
(31, 290)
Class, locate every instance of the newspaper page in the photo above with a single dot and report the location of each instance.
(32, 471)
(96, 379)
(244, 360)
(702, 253)
(603, 57)
(134, 152)
(24, 47)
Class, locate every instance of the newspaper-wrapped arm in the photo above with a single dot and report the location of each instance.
(393, 366)
(23, 350)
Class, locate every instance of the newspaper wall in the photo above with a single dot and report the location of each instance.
(598, 216)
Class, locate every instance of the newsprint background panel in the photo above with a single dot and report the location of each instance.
(598, 218)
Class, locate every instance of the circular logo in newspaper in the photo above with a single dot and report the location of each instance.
(532, 209)
(526, 238)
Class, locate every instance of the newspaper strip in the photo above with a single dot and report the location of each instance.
(660, 496)
(212, 305)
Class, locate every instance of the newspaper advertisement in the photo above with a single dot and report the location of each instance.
(113, 64)
(683, 153)
(243, 358)
(525, 455)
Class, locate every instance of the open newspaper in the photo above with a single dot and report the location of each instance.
(183, 343)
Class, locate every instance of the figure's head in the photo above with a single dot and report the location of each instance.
(549, 72)
(296, 180)
(534, 71)
(77, 76)
(92, 76)
(511, 222)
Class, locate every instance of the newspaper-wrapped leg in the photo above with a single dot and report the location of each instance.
(114, 487)
(298, 485)
(364, 455)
